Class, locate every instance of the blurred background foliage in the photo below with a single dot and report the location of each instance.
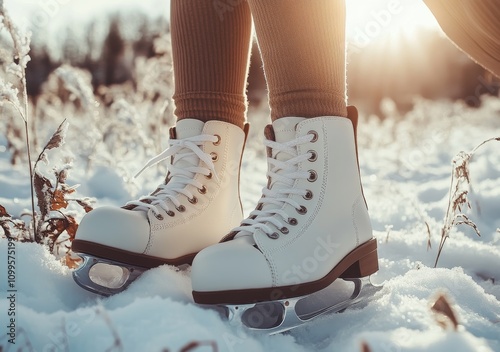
(385, 74)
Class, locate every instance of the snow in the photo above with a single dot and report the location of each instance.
(406, 167)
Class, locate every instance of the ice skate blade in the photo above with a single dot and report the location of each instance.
(285, 312)
(87, 279)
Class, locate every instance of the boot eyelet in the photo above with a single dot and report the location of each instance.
(292, 221)
(170, 213)
(315, 136)
(308, 195)
(181, 208)
(217, 142)
(314, 155)
(159, 216)
(302, 210)
(209, 176)
(284, 230)
(214, 156)
(273, 235)
(193, 200)
(202, 190)
(313, 176)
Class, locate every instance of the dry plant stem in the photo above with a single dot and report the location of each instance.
(444, 234)
(47, 147)
(483, 143)
(24, 115)
(441, 245)
(456, 197)
(26, 127)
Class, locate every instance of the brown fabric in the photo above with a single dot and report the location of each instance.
(474, 26)
(211, 47)
(302, 44)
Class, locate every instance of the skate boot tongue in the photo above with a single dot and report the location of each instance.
(188, 128)
(185, 158)
(185, 150)
(283, 130)
(185, 129)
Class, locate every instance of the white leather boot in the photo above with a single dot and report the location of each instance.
(195, 207)
(310, 227)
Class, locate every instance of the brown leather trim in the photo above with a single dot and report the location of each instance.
(360, 262)
(246, 130)
(172, 133)
(352, 114)
(119, 255)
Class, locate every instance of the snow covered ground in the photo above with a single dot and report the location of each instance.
(405, 165)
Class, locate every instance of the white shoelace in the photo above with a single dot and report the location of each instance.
(187, 149)
(282, 175)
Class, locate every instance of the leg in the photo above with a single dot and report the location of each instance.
(210, 49)
(199, 200)
(311, 225)
(303, 49)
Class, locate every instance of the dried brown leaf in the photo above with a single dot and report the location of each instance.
(443, 312)
(71, 227)
(86, 206)
(6, 228)
(56, 226)
(67, 189)
(3, 212)
(58, 200)
(15, 228)
(43, 189)
(57, 138)
(61, 176)
(70, 261)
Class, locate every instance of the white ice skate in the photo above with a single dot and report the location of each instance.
(310, 227)
(195, 207)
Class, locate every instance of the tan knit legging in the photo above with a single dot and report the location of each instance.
(302, 44)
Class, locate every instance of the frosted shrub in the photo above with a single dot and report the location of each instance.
(77, 82)
(116, 126)
(53, 225)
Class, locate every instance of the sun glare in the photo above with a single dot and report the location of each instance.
(368, 20)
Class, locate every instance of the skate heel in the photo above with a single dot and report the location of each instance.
(365, 266)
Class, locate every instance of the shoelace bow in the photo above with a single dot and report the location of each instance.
(283, 172)
(181, 149)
